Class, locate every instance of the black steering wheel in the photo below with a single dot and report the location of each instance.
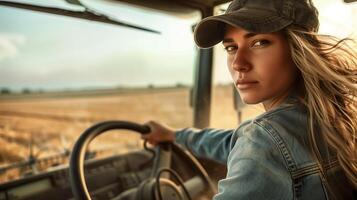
(156, 187)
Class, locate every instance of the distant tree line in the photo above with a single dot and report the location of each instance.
(177, 85)
(5, 90)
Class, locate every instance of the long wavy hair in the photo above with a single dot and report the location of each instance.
(328, 75)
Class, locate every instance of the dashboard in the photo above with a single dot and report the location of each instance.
(106, 178)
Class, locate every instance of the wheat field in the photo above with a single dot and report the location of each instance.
(51, 124)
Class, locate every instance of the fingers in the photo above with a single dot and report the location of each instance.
(150, 137)
(152, 125)
(158, 133)
(155, 128)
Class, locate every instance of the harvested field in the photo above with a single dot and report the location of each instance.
(52, 124)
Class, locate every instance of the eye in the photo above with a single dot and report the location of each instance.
(230, 49)
(260, 43)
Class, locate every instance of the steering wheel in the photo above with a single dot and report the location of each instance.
(157, 186)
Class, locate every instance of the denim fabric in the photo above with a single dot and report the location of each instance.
(267, 157)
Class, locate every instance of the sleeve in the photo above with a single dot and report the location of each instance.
(256, 169)
(209, 143)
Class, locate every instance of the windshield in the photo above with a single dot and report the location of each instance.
(59, 75)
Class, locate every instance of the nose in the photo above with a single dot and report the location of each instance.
(240, 62)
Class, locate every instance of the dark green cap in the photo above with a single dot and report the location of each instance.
(257, 16)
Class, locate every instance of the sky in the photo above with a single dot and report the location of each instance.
(43, 51)
(48, 52)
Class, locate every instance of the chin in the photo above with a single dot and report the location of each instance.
(250, 99)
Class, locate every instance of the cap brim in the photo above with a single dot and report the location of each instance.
(210, 30)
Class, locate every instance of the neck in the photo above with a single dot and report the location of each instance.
(275, 101)
(298, 89)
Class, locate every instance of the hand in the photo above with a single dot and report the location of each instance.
(159, 133)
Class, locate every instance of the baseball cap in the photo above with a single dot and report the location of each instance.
(257, 16)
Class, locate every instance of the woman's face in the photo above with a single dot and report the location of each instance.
(260, 65)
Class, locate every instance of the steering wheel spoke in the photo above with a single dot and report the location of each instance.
(194, 186)
(163, 155)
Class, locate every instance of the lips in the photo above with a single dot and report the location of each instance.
(245, 84)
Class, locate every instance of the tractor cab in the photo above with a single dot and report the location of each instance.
(79, 79)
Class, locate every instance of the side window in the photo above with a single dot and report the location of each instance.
(59, 75)
(341, 26)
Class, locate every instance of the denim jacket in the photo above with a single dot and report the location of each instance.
(267, 157)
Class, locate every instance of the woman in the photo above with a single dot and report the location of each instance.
(304, 145)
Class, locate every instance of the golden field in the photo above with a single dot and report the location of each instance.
(54, 123)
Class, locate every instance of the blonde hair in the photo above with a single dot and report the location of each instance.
(327, 68)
